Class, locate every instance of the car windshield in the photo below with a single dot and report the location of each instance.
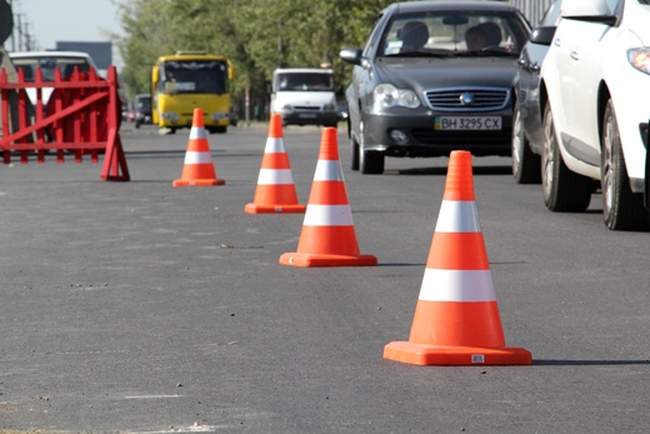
(194, 76)
(304, 81)
(48, 64)
(143, 103)
(444, 33)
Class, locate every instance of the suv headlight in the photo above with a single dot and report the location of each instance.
(386, 95)
(640, 58)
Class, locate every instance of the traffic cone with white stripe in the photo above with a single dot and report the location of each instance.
(198, 170)
(328, 238)
(456, 320)
(276, 191)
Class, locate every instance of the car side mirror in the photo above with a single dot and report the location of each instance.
(351, 55)
(543, 35)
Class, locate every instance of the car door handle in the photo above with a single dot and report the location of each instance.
(574, 55)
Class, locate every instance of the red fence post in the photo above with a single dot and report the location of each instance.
(114, 159)
(22, 113)
(58, 106)
(40, 134)
(5, 94)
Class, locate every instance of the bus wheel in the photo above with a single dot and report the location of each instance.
(217, 130)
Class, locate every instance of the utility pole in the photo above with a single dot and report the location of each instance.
(13, 30)
(20, 31)
(28, 38)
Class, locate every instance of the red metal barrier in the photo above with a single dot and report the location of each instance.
(82, 117)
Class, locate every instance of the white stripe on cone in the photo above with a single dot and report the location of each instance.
(274, 145)
(198, 133)
(328, 215)
(274, 177)
(194, 157)
(458, 216)
(328, 170)
(457, 285)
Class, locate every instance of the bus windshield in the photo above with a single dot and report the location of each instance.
(189, 76)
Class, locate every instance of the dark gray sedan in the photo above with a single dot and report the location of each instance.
(434, 76)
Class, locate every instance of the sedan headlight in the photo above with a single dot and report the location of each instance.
(386, 95)
(640, 58)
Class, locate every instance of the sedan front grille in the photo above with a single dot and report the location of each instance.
(306, 108)
(468, 99)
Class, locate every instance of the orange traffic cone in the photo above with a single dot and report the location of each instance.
(198, 170)
(328, 238)
(276, 191)
(456, 319)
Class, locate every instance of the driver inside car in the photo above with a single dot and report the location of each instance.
(482, 36)
(414, 35)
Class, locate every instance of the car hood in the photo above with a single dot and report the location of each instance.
(422, 74)
(638, 24)
(309, 99)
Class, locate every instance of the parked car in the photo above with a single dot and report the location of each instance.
(434, 76)
(142, 109)
(527, 130)
(304, 96)
(595, 93)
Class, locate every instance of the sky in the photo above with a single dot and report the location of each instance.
(69, 20)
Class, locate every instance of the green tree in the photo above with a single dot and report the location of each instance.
(256, 35)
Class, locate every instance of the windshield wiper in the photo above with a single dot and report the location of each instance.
(441, 53)
(485, 53)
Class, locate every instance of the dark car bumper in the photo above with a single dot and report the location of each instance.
(425, 141)
(310, 118)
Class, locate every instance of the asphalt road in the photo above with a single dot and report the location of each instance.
(135, 307)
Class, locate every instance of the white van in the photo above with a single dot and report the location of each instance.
(304, 96)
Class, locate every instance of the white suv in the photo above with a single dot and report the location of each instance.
(596, 104)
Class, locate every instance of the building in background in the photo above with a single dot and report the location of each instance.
(101, 52)
(532, 9)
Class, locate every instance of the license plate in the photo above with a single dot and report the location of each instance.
(465, 123)
(307, 115)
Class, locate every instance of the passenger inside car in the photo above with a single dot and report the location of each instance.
(481, 36)
(414, 35)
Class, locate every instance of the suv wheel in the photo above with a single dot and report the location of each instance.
(622, 209)
(563, 189)
(371, 162)
(526, 165)
(354, 157)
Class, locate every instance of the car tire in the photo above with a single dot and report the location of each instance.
(563, 189)
(354, 155)
(371, 162)
(526, 165)
(622, 209)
